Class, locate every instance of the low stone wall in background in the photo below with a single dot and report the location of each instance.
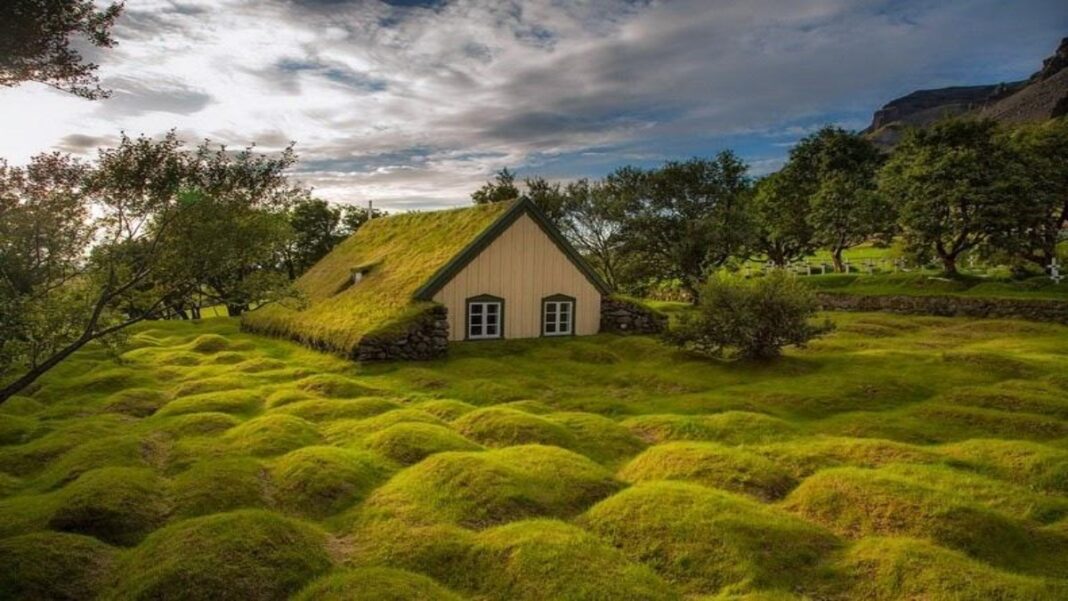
(426, 338)
(950, 306)
(621, 316)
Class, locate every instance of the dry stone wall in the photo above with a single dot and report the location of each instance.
(951, 306)
(427, 337)
(621, 316)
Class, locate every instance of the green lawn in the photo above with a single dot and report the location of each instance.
(899, 458)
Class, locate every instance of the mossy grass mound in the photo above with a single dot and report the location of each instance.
(411, 442)
(711, 464)
(712, 542)
(1015, 395)
(272, 435)
(1030, 464)
(335, 387)
(321, 481)
(259, 365)
(805, 456)
(548, 559)
(245, 555)
(53, 565)
(950, 423)
(729, 427)
(446, 409)
(598, 437)
(353, 431)
(528, 406)
(215, 486)
(192, 424)
(16, 429)
(284, 396)
(886, 569)
(441, 551)
(137, 402)
(111, 451)
(488, 488)
(115, 504)
(209, 343)
(858, 502)
(501, 427)
(240, 402)
(375, 584)
(30, 457)
(318, 410)
(210, 384)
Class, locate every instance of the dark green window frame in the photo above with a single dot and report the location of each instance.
(481, 299)
(558, 298)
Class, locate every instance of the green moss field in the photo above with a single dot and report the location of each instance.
(899, 458)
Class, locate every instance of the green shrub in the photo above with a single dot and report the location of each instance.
(118, 505)
(487, 488)
(272, 435)
(710, 464)
(411, 442)
(53, 565)
(500, 427)
(321, 481)
(247, 555)
(750, 319)
(547, 559)
(709, 541)
(214, 486)
(375, 584)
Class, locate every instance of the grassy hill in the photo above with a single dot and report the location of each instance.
(899, 458)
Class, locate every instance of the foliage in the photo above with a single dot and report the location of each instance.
(686, 218)
(501, 189)
(88, 252)
(835, 171)
(958, 186)
(782, 220)
(39, 40)
(750, 319)
(1044, 148)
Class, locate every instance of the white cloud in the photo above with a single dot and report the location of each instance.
(415, 107)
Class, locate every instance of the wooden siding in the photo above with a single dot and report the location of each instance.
(522, 266)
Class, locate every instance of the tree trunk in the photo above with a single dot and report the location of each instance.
(195, 311)
(949, 264)
(836, 256)
(235, 310)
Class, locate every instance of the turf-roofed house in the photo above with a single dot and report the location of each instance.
(406, 285)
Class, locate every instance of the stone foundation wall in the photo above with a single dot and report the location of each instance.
(950, 306)
(426, 338)
(621, 316)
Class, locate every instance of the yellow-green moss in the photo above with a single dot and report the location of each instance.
(411, 442)
(711, 464)
(321, 481)
(53, 565)
(375, 584)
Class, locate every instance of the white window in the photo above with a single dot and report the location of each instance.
(483, 319)
(558, 317)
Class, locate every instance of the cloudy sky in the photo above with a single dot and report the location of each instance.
(415, 103)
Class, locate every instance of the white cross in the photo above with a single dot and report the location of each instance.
(1055, 271)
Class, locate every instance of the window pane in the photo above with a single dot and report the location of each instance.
(491, 330)
(492, 308)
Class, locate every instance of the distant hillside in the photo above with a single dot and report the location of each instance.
(1042, 96)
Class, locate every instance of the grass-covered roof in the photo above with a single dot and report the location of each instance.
(398, 253)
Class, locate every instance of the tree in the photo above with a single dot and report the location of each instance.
(315, 228)
(550, 197)
(37, 39)
(87, 252)
(591, 218)
(835, 170)
(502, 188)
(750, 318)
(353, 217)
(958, 186)
(781, 220)
(1044, 148)
(686, 218)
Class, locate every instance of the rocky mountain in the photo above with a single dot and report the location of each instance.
(1042, 96)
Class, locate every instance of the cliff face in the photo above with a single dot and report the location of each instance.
(1042, 96)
